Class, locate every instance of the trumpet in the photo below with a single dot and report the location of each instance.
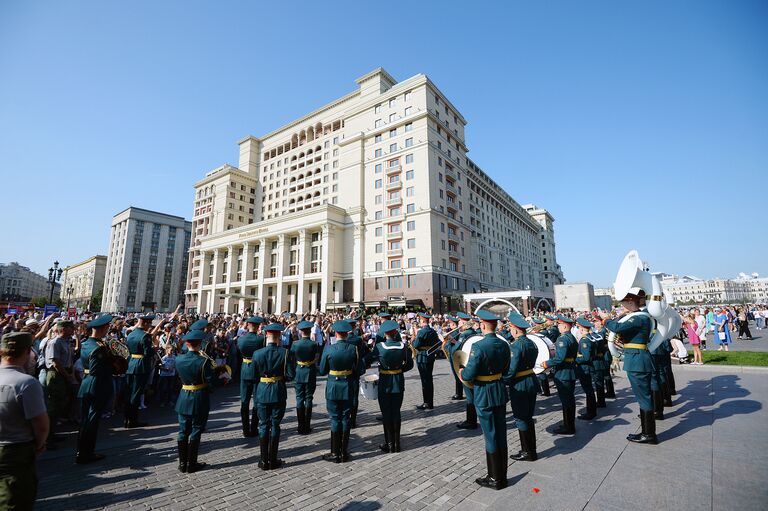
(222, 372)
(120, 353)
(444, 339)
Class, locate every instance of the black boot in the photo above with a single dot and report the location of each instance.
(353, 417)
(565, 427)
(458, 392)
(522, 455)
(274, 461)
(396, 433)
(533, 455)
(671, 382)
(126, 415)
(601, 398)
(192, 464)
(635, 437)
(335, 454)
(254, 422)
(345, 456)
(648, 435)
(183, 454)
(264, 449)
(471, 422)
(300, 420)
(666, 393)
(86, 444)
(489, 477)
(610, 392)
(544, 383)
(425, 405)
(658, 405)
(245, 419)
(572, 419)
(591, 411)
(387, 445)
(500, 462)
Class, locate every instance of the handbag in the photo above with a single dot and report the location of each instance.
(721, 335)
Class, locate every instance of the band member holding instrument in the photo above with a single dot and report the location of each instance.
(380, 335)
(488, 360)
(659, 380)
(196, 374)
(304, 355)
(542, 380)
(341, 363)
(426, 340)
(565, 374)
(248, 344)
(394, 359)
(599, 365)
(272, 368)
(636, 332)
(451, 341)
(551, 332)
(355, 339)
(584, 357)
(610, 392)
(139, 367)
(522, 385)
(465, 326)
(96, 388)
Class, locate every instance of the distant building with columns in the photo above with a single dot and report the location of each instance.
(369, 199)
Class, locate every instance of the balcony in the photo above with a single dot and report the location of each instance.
(451, 173)
(394, 169)
(395, 202)
(453, 237)
(396, 252)
(394, 186)
(394, 235)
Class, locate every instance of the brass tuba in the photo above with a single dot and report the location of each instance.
(120, 354)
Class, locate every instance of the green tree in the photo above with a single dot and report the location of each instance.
(39, 301)
(95, 305)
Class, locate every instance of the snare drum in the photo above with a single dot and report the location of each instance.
(369, 387)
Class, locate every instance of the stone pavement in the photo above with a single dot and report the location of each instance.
(712, 456)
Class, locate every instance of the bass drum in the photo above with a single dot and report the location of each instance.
(546, 351)
(461, 356)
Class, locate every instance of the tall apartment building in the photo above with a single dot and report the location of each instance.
(552, 273)
(147, 261)
(82, 281)
(371, 198)
(19, 283)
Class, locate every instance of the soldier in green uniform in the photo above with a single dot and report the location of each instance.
(451, 341)
(522, 385)
(248, 344)
(139, 344)
(193, 405)
(488, 361)
(380, 335)
(96, 388)
(355, 339)
(304, 355)
(565, 374)
(599, 366)
(659, 381)
(584, 357)
(610, 392)
(466, 331)
(273, 369)
(341, 363)
(635, 329)
(394, 359)
(425, 343)
(551, 332)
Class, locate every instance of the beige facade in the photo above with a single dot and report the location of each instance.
(370, 198)
(81, 281)
(717, 290)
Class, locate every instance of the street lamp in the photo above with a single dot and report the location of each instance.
(54, 275)
(70, 290)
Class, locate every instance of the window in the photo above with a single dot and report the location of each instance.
(411, 262)
(409, 143)
(379, 248)
(395, 282)
(409, 175)
(392, 133)
(392, 117)
(408, 110)
(409, 126)
(392, 148)
(378, 168)
(378, 231)
(409, 191)
(391, 102)
(377, 282)
(411, 226)
(377, 183)
(377, 138)
(394, 228)
(411, 241)
(377, 153)
(410, 208)
(379, 266)
(394, 211)
(377, 215)
(377, 124)
(408, 157)
(377, 199)
(395, 264)
(407, 96)
(411, 280)
(377, 109)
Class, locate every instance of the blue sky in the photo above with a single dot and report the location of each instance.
(591, 110)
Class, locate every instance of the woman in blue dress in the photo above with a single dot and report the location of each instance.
(722, 327)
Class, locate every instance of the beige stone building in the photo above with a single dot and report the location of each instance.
(81, 281)
(370, 198)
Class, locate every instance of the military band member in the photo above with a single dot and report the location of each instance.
(451, 341)
(584, 357)
(488, 361)
(341, 363)
(394, 359)
(272, 367)
(248, 344)
(355, 339)
(551, 332)
(96, 388)
(467, 331)
(599, 366)
(566, 347)
(636, 331)
(425, 343)
(379, 337)
(304, 355)
(193, 404)
(139, 367)
(659, 381)
(522, 385)
(610, 392)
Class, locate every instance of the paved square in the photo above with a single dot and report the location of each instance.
(712, 455)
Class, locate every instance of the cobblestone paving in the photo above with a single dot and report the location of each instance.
(436, 469)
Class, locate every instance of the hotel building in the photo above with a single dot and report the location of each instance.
(82, 281)
(369, 199)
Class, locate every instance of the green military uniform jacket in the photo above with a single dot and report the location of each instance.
(194, 369)
(425, 341)
(600, 342)
(523, 353)
(392, 356)
(304, 350)
(566, 348)
(635, 329)
(139, 343)
(97, 363)
(489, 356)
(248, 344)
(272, 361)
(341, 357)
